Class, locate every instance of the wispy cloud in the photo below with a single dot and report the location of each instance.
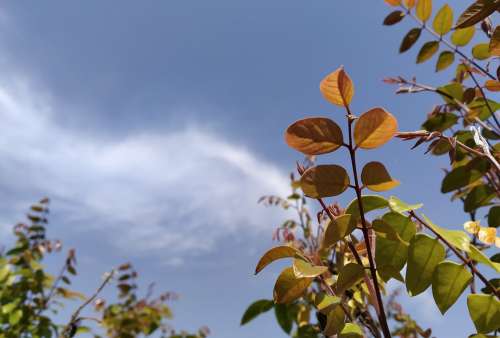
(179, 192)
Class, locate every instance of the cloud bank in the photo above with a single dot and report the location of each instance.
(178, 192)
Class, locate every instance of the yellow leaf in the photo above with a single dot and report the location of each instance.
(376, 178)
(492, 85)
(324, 181)
(303, 269)
(314, 136)
(337, 88)
(462, 36)
(424, 9)
(288, 287)
(487, 235)
(393, 2)
(443, 20)
(374, 128)
(337, 230)
(279, 252)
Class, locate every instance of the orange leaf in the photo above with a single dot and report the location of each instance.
(374, 128)
(337, 88)
(314, 136)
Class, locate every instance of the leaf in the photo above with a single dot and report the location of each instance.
(451, 92)
(256, 308)
(409, 40)
(349, 275)
(427, 51)
(448, 282)
(376, 178)
(393, 18)
(393, 2)
(303, 269)
(443, 20)
(392, 255)
(385, 231)
(279, 252)
(484, 311)
(335, 321)
(445, 59)
(399, 206)
(424, 9)
(324, 303)
(351, 330)
(440, 122)
(410, 3)
(462, 36)
(478, 197)
(481, 51)
(495, 42)
(458, 238)
(386, 272)
(15, 317)
(480, 257)
(288, 287)
(337, 230)
(492, 85)
(374, 128)
(475, 13)
(424, 254)
(284, 317)
(369, 202)
(314, 136)
(493, 217)
(464, 175)
(337, 88)
(324, 181)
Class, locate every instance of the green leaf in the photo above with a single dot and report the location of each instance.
(15, 317)
(284, 317)
(396, 205)
(484, 311)
(255, 309)
(427, 51)
(386, 272)
(369, 202)
(279, 252)
(424, 254)
(462, 36)
(303, 269)
(424, 9)
(454, 89)
(337, 230)
(476, 12)
(351, 330)
(335, 321)
(480, 257)
(478, 197)
(394, 18)
(459, 239)
(391, 256)
(445, 59)
(9, 307)
(481, 51)
(465, 175)
(324, 181)
(481, 109)
(385, 231)
(409, 40)
(448, 282)
(349, 275)
(443, 20)
(288, 287)
(440, 122)
(493, 217)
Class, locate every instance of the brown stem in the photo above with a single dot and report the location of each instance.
(458, 254)
(373, 271)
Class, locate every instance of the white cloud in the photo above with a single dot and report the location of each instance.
(178, 192)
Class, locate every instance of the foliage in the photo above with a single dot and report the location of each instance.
(341, 264)
(30, 296)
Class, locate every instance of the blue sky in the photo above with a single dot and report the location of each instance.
(154, 126)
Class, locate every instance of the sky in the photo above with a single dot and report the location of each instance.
(155, 126)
